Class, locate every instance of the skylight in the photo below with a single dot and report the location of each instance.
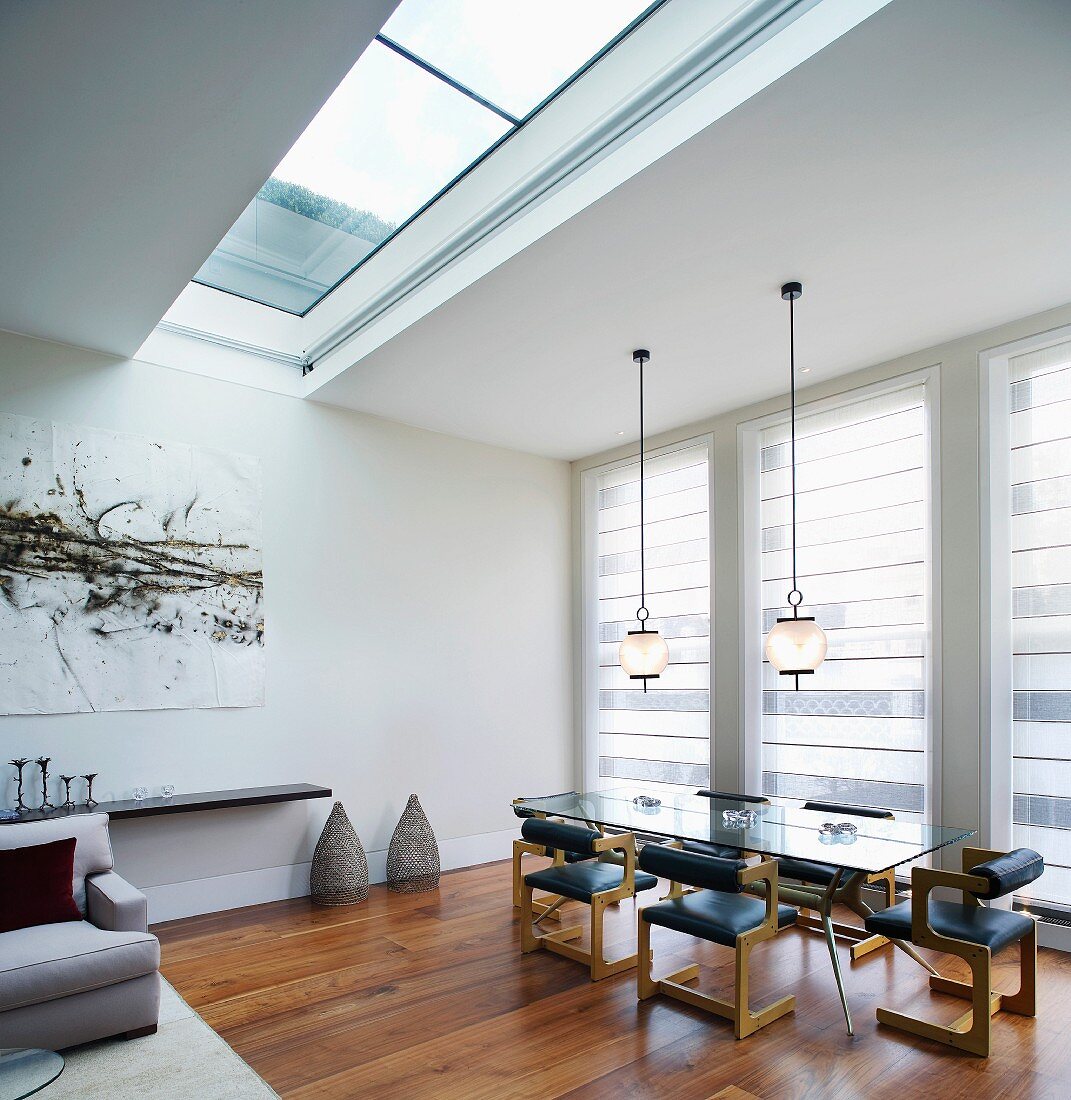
(440, 87)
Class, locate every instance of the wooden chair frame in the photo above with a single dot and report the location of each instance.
(559, 941)
(972, 1032)
(745, 1022)
(551, 907)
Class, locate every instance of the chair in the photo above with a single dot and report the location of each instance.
(591, 881)
(521, 848)
(822, 874)
(723, 851)
(973, 933)
(718, 911)
(77, 981)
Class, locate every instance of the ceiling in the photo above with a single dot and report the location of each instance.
(133, 139)
(914, 175)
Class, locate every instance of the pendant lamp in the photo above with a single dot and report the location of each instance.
(796, 645)
(644, 653)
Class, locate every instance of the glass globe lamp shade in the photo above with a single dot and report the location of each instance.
(644, 653)
(796, 645)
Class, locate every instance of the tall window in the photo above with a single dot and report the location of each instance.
(1040, 461)
(856, 731)
(661, 738)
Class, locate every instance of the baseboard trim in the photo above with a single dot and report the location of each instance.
(173, 900)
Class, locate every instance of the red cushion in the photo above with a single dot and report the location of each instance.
(36, 885)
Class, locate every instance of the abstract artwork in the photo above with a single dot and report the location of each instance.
(130, 573)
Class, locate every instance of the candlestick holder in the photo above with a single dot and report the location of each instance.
(68, 802)
(19, 763)
(90, 800)
(43, 762)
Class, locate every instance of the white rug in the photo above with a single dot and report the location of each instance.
(185, 1059)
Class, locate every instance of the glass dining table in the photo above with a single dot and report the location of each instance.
(871, 847)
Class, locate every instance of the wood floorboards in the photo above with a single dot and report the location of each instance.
(427, 995)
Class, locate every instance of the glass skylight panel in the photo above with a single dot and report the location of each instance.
(389, 138)
(513, 54)
(450, 79)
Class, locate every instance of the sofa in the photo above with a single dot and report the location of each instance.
(80, 980)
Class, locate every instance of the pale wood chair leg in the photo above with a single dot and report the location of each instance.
(518, 881)
(741, 1016)
(529, 940)
(646, 986)
(972, 1032)
(597, 912)
(1024, 1002)
(601, 967)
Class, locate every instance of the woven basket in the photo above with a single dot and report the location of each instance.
(339, 873)
(413, 855)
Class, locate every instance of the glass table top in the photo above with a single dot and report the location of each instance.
(780, 830)
(24, 1072)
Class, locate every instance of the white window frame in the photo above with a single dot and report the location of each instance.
(997, 747)
(750, 529)
(589, 601)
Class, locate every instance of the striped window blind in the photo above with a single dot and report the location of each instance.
(1040, 435)
(856, 731)
(661, 739)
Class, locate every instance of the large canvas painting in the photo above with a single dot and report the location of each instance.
(130, 573)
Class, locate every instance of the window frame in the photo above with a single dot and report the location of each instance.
(996, 680)
(749, 436)
(589, 600)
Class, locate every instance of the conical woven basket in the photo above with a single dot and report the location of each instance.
(339, 873)
(413, 855)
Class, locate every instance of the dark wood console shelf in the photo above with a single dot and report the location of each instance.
(185, 803)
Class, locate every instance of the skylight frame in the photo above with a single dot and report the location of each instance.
(516, 126)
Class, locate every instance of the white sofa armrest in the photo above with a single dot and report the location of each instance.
(114, 905)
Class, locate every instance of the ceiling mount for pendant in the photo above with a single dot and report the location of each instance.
(796, 645)
(643, 653)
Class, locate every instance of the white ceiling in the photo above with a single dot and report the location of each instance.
(914, 175)
(134, 132)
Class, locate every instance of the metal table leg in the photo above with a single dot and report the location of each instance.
(820, 900)
(825, 913)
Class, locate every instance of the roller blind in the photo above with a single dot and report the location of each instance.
(1040, 435)
(856, 731)
(661, 738)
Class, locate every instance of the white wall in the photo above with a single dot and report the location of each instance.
(959, 747)
(418, 609)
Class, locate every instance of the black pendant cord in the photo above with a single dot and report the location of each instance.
(643, 587)
(642, 614)
(792, 405)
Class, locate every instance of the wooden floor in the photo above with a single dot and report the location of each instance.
(428, 996)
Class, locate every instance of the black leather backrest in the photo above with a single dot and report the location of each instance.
(852, 811)
(1008, 872)
(734, 797)
(525, 812)
(707, 872)
(556, 834)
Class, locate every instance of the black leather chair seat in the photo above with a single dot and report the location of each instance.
(580, 880)
(806, 870)
(992, 928)
(709, 848)
(715, 916)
